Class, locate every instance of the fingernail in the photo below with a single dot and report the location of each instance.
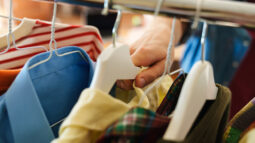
(141, 82)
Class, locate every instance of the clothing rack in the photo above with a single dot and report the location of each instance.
(219, 12)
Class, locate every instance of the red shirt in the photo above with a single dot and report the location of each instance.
(243, 83)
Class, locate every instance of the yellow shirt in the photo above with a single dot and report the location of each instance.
(155, 96)
(96, 110)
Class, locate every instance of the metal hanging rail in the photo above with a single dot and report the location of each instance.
(220, 12)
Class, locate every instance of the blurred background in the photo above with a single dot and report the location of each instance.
(131, 27)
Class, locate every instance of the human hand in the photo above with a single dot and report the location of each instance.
(150, 51)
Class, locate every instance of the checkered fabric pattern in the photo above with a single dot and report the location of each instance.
(142, 125)
(169, 102)
(136, 126)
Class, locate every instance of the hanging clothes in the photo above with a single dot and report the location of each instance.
(240, 122)
(248, 135)
(6, 79)
(225, 49)
(43, 96)
(137, 125)
(96, 110)
(86, 37)
(143, 125)
(160, 90)
(242, 85)
(170, 101)
(146, 117)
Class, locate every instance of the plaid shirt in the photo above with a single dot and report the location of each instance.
(240, 122)
(142, 125)
(136, 126)
(168, 104)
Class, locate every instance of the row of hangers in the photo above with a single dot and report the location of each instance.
(199, 86)
(115, 63)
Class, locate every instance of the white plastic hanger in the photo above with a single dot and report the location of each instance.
(113, 64)
(198, 87)
(22, 30)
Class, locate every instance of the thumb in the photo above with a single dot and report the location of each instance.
(149, 75)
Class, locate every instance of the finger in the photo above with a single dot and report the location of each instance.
(132, 49)
(150, 74)
(148, 55)
(138, 44)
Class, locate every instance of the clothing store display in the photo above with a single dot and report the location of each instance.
(143, 125)
(79, 127)
(86, 37)
(93, 112)
(240, 122)
(6, 79)
(225, 57)
(58, 84)
(137, 125)
(146, 116)
(37, 104)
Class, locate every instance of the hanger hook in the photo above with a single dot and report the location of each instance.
(167, 63)
(10, 34)
(115, 28)
(197, 14)
(203, 38)
(158, 7)
(106, 7)
(52, 39)
(170, 46)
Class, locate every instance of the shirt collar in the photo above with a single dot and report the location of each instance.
(26, 115)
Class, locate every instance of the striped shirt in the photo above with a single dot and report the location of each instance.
(85, 37)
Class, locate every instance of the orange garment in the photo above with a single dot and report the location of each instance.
(6, 79)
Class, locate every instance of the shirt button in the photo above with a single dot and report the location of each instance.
(235, 64)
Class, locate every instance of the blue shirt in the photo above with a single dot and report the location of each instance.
(43, 96)
(225, 48)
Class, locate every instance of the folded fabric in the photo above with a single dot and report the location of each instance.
(249, 137)
(240, 122)
(251, 127)
(37, 33)
(41, 97)
(135, 114)
(6, 79)
(169, 102)
(155, 95)
(96, 110)
(143, 125)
